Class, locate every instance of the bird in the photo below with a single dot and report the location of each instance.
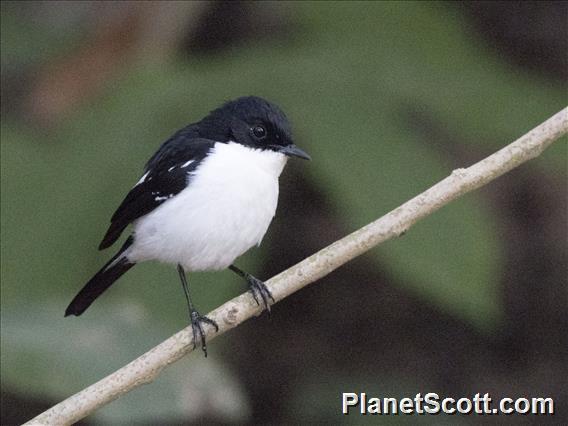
(205, 197)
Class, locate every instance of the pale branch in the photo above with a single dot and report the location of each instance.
(461, 181)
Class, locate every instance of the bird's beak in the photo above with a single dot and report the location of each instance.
(294, 151)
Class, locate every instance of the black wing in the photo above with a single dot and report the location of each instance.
(165, 175)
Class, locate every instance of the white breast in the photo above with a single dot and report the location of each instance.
(224, 211)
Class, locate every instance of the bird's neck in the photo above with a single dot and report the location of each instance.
(269, 161)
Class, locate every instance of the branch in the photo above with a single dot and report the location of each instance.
(147, 367)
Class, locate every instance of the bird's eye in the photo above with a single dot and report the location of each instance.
(259, 132)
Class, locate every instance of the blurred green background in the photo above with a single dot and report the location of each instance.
(388, 98)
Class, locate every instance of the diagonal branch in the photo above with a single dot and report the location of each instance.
(461, 181)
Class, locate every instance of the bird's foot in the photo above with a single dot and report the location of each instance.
(260, 291)
(196, 325)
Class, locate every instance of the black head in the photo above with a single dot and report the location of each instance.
(254, 122)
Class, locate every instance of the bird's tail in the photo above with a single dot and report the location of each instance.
(102, 280)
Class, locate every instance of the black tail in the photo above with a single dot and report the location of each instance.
(102, 280)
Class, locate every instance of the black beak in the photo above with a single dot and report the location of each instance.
(294, 151)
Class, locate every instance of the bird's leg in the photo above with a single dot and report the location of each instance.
(257, 287)
(195, 317)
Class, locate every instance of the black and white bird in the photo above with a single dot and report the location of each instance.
(205, 197)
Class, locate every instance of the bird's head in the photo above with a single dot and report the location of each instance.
(253, 122)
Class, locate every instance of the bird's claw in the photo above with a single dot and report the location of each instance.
(260, 291)
(196, 320)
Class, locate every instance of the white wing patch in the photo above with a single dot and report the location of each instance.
(158, 197)
(187, 163)
(162, 198)
(143, 178)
